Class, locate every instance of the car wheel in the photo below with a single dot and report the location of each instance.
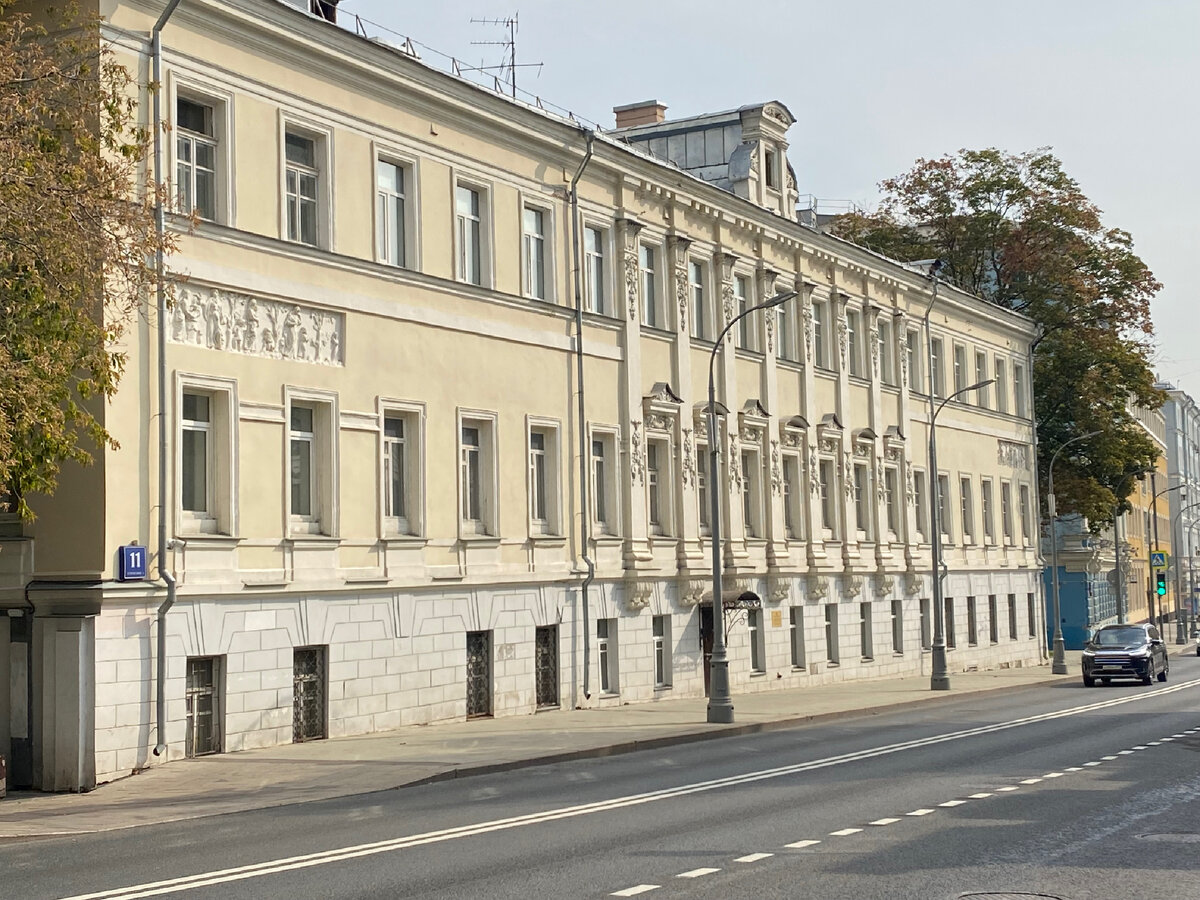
(1162, 676)
(1148, 678)
(1089, 681)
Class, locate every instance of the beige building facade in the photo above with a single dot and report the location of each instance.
(410, 481)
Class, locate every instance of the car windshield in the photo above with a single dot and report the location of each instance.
(1119, 637)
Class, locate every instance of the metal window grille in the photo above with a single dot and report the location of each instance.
(308, 693)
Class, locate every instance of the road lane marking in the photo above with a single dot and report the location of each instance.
(1124, 753)
(697, 873)
(800, 845)
(1031, 781)
(980, 796)
(885, 822)
(1098, 763)
(1140, 747)
(1157, 743)
(753, 857)
(953, 803)
(1053, 775)
(1108, 758)
(1007, 788)
(919, 812)
(1073, 769)
(635, 890)
(845, 832)
(357, 851)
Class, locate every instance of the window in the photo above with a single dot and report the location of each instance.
(981, 394)
(1001, 385)
(820, 313)
(912, 347)
(1031, 611)
(993, 620)
(594, 240)
(401, 466)
(658, 486)
(543, 479)
(205, 714)
(1012, 617)
(771, 168)
(796, 635)
(948, 623)
(477, 474)
(468, 218)
(827, 486)
(661, 627)
(862, 501)
(604, 482)
(304, 475)
(891, 500)
(921, 501)
(943, 504)
(313, 465)
(887, 360)
(533, 228)
(987, 507)
(195, 482)
(391, 225)
(754, 623)
(792, 494)
(195, 159)
(300, 179)
(831, 633)
(752, 505)
(972, 623)
(787, 330)
(967, 509)
(926, 627)
(606, 652)
(702, 498)
(939, 380)
(960, 368)
(1026, 516)
(1020, 399)
(747, 331)
(897, 626)
(864, 631)
(854, 338)
(1006, 514)
(652, 316)
(699, 300)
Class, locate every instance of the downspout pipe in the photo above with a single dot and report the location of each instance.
(160, 293)
(585, 518)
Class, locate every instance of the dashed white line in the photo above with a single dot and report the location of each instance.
(800, 845)
(1031, 781)
(919, 812)
(980, 796)
(1157, 743)
(1124, 753)
(1140, 747)
(753, 857)
(887, 821)
(635, 890)
(697, 873)
(1007, 788)
(1053, 775)
(953, 803)
(1108, 758)
(1167, 739)
(844, 832)
(1073, 769)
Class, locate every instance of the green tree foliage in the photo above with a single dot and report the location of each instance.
(1018, 231)
(77, 241)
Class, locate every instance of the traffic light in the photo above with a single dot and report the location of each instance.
(1160, 583)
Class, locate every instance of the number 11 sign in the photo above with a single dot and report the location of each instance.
(132, 563)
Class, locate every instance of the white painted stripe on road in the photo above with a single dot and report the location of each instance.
(1073, 769)
(919, 812)
(1167, 740)
(845, 832)
(953, 803)
(635, 890)
(885, 822)
(697, 873)
(1108, 758)
(800, 845)
(1124, 753)
(1140, 747)
(1053, 775)
(1031, 781)
(980, 796)
(324, 857)
(1007, 788)
(1095, 763)
(1157, 743)
(753, 857)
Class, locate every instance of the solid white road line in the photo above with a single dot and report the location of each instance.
(800, 845)
(697, 873)
(753, 857)
(885, 822)
(271, 867)
(845, 832)
(635, 890)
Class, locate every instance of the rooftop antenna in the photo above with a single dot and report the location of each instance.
(508, 63)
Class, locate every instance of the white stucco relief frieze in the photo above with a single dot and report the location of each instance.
(1009, 453)
(239, 323)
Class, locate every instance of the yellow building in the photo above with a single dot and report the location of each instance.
(1147, 526)
(436, 381)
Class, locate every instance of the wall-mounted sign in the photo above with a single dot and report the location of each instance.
(132, 563)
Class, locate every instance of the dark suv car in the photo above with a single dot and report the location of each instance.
(1125, 651)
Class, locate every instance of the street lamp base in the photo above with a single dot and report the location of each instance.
(720, 703)
(1059, 666)
(720, 713)
(939, 680)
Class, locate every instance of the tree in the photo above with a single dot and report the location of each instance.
(1018, 231)
(77, 242)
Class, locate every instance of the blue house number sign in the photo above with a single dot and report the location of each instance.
(132, 563)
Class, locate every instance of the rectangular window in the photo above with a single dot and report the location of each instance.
(972, 622)
(196, 479)
(1026, 516)
(662, 651)
(787, 329)
(1031, 611)
(1020, 399)
(658, 486)
(604, 482)
(796, 634)
(396, 472)
(987, 507)
(752, 505)
(771, 169)
(921, 501)
(205, 456)
(390, 223)
(912, 347)
(543, 480)
(303, 469)
(854, 339)
(203, 703)
(747, 328)
(948, 623)
(754, 623)
(827, 485)
(468, 219)
(606, 653)
(944, 521)
(1001, 385)
(993, 619)
(195, 159)
(533, 228)
(595, 281)
(967, 509)
(926, 625)
(891, 500)
(862, 501)
(820, 317)
(960, 368)
(699, 300)
(792, 494)
(1012, 617)
(301, 181)
(702, 498)
(939, 379)
(887, 361)
(652, 316)
(866, 639)
(897, 626)
(1006, 513)
(831, 633)
(477, 472)
(981, 394)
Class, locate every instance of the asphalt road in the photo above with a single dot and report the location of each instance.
(1060, 791)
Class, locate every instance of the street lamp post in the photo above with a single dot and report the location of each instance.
(1180, 630)
(1153, 513)
(720, 703)
(1118, 546)
(1059, 666)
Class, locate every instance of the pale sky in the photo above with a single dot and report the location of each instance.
(1110, 86)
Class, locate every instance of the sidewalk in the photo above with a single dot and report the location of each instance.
(299, 773)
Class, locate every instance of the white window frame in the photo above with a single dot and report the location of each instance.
(487, 525)
(757, 642)
(829, 494)
(939, 367)
(743, 299)
(221, 102)
(864, 500)
(752, 491)
(550, 524)
(786, 327)
(186, 171)
(821, 326)
(597, 264)
(796, 636)
(322, 138)
(1006, 513)
(1000, 368)
(412, 523)
(530, 266)
(866, 630)
(960, 371)
(981, 373)
(913, 347)
(221, 464)
(410, 166)
(608, 656)
(1025, 509)
(703, 500)
(793, 496)
(484, 218)
(987, 509)
(921, 501)
(945, 507)
(854, 342)
(1020, 395)
(887, 350)
(699, 298)
(966, 503)
(891, 501)
(660, 630)
(323, 515)
(660, 479)
(650, 284)
(609, 440)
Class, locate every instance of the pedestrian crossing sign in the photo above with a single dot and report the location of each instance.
(1158, 559)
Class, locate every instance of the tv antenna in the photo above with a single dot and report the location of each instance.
(508, 64)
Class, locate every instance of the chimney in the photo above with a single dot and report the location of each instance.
(648, 112)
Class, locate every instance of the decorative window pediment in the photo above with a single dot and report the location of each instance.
(752, 422)
(894, 443)
(660, 407)
(792, 431)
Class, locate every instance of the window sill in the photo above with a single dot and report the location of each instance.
(832, 664)
(481, 539)
(799, 668)
(397, 538)
(298, 539)
(757, 674)
(204, 537)
(606, 539)
(868, 659)
(662, 688)
(897, 654)
(548, 539)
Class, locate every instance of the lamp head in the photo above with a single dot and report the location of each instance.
(779, 299)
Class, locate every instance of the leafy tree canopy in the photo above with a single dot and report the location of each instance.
(77, 242)
(1018, 231)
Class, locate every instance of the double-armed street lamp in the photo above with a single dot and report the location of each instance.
(1059, 666)
(720, 703)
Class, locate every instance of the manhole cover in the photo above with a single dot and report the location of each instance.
(1184, 837)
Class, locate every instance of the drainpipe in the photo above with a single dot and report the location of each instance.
(1039, 560)
(160, 293)
(585, 517)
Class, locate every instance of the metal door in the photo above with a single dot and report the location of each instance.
(706, 644)
(308, 693)
(479, 673)
(203, 731)
(545, 665)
